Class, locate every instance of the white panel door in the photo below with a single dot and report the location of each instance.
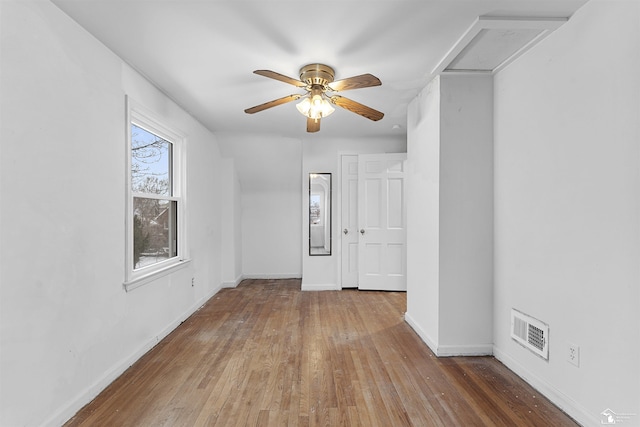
(349, 221)
(382, 222)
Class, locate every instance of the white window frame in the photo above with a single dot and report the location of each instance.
(145, 119)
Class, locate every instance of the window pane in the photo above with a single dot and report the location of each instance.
(150, 162)
(154, 231)
(314, 209)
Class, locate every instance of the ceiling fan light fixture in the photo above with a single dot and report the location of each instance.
(317, 103)
(315, 107)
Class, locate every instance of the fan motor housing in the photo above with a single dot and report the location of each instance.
(317, 74)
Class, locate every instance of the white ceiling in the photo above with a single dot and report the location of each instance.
(202, 53)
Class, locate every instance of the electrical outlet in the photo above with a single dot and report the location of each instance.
(573, 354)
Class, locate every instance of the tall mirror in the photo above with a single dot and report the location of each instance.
(319, 214)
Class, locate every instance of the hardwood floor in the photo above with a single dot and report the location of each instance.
(266, 353)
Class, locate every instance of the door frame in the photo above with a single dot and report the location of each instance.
(338, 203)
(338, 246)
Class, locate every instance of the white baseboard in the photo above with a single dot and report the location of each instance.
(272, 276)
(564, 402)
(465, 350)
(421, 333)
(236, 282)
(87, 395)
(449, 350)
(318, 287)
(233, 283)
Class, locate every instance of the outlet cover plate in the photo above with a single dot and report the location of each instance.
(573, 354)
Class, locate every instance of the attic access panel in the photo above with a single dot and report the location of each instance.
(490, 48)
(492, 43)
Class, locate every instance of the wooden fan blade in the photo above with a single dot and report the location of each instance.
(280, 77)
(357, 82)
(273, 103)
(313, 125)
(356, 107)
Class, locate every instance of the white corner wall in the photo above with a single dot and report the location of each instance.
(231, 226)
(466, 215)
(271, 233)
(450, 215)
(67, 327)
(567, 210)
(269, 195)
(423, 213)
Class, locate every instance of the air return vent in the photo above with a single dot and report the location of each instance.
(531, 333)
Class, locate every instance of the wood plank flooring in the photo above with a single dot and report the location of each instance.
(267, 354)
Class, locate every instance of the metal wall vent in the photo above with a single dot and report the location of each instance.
(530, 332)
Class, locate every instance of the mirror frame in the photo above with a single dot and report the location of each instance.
(327, 216)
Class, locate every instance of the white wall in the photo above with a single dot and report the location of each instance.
(271, 233)
(67, 326)
(423, 213)
(450, 193)
(322, 155)
(231, 225)
(567, 209)
(270, 195)
(274, 178)
(466, 214)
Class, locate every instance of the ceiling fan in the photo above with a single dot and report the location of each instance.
(317, 80)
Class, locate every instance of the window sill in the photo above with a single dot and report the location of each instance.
(150, 276)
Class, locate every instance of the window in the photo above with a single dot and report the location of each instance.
(156, 241)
